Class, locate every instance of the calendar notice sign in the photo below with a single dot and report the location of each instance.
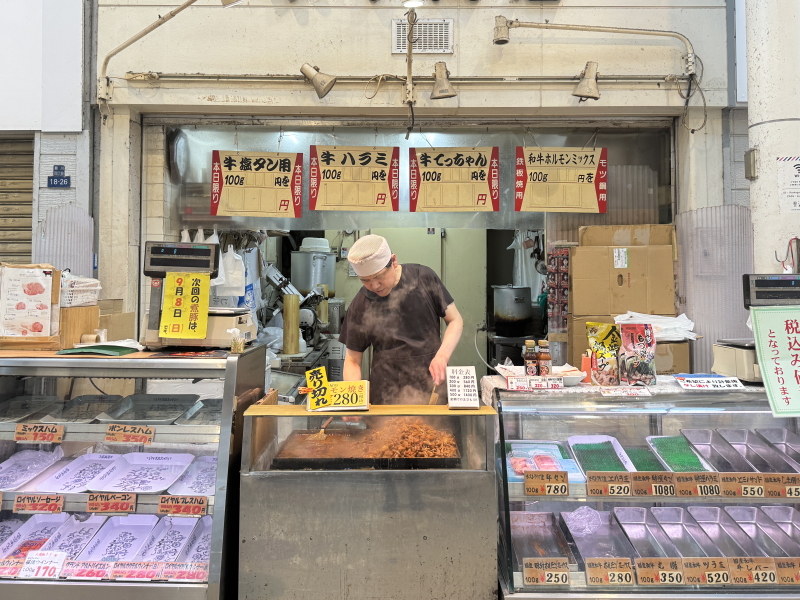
(462, 388)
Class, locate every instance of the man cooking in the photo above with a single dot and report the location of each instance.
(397, 312)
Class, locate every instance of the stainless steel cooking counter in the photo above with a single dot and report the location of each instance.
(382, 532)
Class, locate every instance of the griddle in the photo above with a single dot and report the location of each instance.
(282, 463)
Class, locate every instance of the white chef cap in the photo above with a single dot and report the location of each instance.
(369, 255)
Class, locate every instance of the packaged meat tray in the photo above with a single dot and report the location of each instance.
(32, 535)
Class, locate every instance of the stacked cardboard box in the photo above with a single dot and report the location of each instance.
(616, 269)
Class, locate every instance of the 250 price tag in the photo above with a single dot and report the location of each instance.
(130, 434)
(545, 571)
(38, 434)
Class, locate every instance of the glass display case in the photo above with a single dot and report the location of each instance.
(375, 507)
(119, 468)
(680, 493)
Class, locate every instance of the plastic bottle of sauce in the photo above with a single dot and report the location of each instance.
(544, 358)
(531, 359)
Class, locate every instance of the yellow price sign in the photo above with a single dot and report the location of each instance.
(335, 395)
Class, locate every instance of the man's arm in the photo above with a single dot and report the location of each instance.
(455, 325)
(352, 365)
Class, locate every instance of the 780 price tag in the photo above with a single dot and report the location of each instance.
(546, 483)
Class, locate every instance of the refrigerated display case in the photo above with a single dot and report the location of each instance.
(688, 494)
(401, 505)
(151, 440)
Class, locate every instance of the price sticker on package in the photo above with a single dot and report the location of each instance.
(706, 571)
(42, 565)
(29, 433)
(659, 571)
(546, 483)
(111, 503)
(187, 572)
(186, 506)
(608, 483)
(129, 434)
(545, 571)
(609, 571)
(31, 504)
(745, 570)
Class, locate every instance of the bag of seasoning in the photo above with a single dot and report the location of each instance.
(637, 355)
(604, 344)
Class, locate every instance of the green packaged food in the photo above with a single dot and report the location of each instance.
(644, 459)
(677, 453)
(598, 457)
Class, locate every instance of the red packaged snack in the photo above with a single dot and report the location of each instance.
(637, 354)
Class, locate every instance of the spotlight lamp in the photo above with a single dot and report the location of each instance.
(587, 86)
(441, 84)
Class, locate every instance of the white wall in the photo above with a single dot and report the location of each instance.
(41, 65)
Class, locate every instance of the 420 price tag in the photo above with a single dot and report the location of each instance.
(335, 395)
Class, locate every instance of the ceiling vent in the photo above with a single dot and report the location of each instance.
(433, 36)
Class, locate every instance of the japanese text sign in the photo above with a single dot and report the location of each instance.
(354, 178)
(561, 180)
(454, 179)
(708, 383)
(256, 184)
(38, 433)
(119, 502)
(335, 395)
(42, 565)
(38, 503)
(789, 181)
(184, 311)
(462, 387)
(117, 433)
(777, 336)
(186, 506)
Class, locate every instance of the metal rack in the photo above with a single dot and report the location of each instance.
(243, 377)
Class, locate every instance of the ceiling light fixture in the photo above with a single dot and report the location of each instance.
(413, 3)
(322, 83)
(441, 83)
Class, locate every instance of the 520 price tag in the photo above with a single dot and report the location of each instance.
(608, 483)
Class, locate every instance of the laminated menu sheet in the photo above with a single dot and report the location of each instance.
(25, 301)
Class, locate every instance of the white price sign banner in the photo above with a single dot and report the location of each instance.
(462, 388)
(454, 179)
(42, 565)
(709, 383)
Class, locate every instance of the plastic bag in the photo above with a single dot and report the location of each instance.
(220, 278)
(604, 343)
(525, 273)
(234, 275)
(251, 297)
(666, 329)
(637, 354)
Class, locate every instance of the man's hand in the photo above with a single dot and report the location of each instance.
(438, 369)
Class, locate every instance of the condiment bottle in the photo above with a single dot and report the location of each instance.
(531, 359)
(544, 358)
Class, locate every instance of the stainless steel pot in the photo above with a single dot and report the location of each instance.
(310, 269)
(513, 312)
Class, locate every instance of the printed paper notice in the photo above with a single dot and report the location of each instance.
(454, 179)
(462, 387)
(777, 335)
(789, 181)
(184, 312)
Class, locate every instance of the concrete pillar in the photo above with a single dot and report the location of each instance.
(773, 106)
(700, 165)
(119, 206)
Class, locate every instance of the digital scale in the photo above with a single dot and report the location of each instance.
(161, 258)
(737, 357)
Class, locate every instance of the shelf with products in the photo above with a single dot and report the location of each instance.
(710, 465)
(145, 446)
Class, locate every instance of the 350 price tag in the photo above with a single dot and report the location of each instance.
(111, 503)
(130, 434)
(40, 503)
(187, 506)
(659, 571)
(38, 434)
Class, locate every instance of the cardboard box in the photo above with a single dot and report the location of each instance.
(671, 357)
(626, 235)
(110, 307)
(611, 280)
(120, 326)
